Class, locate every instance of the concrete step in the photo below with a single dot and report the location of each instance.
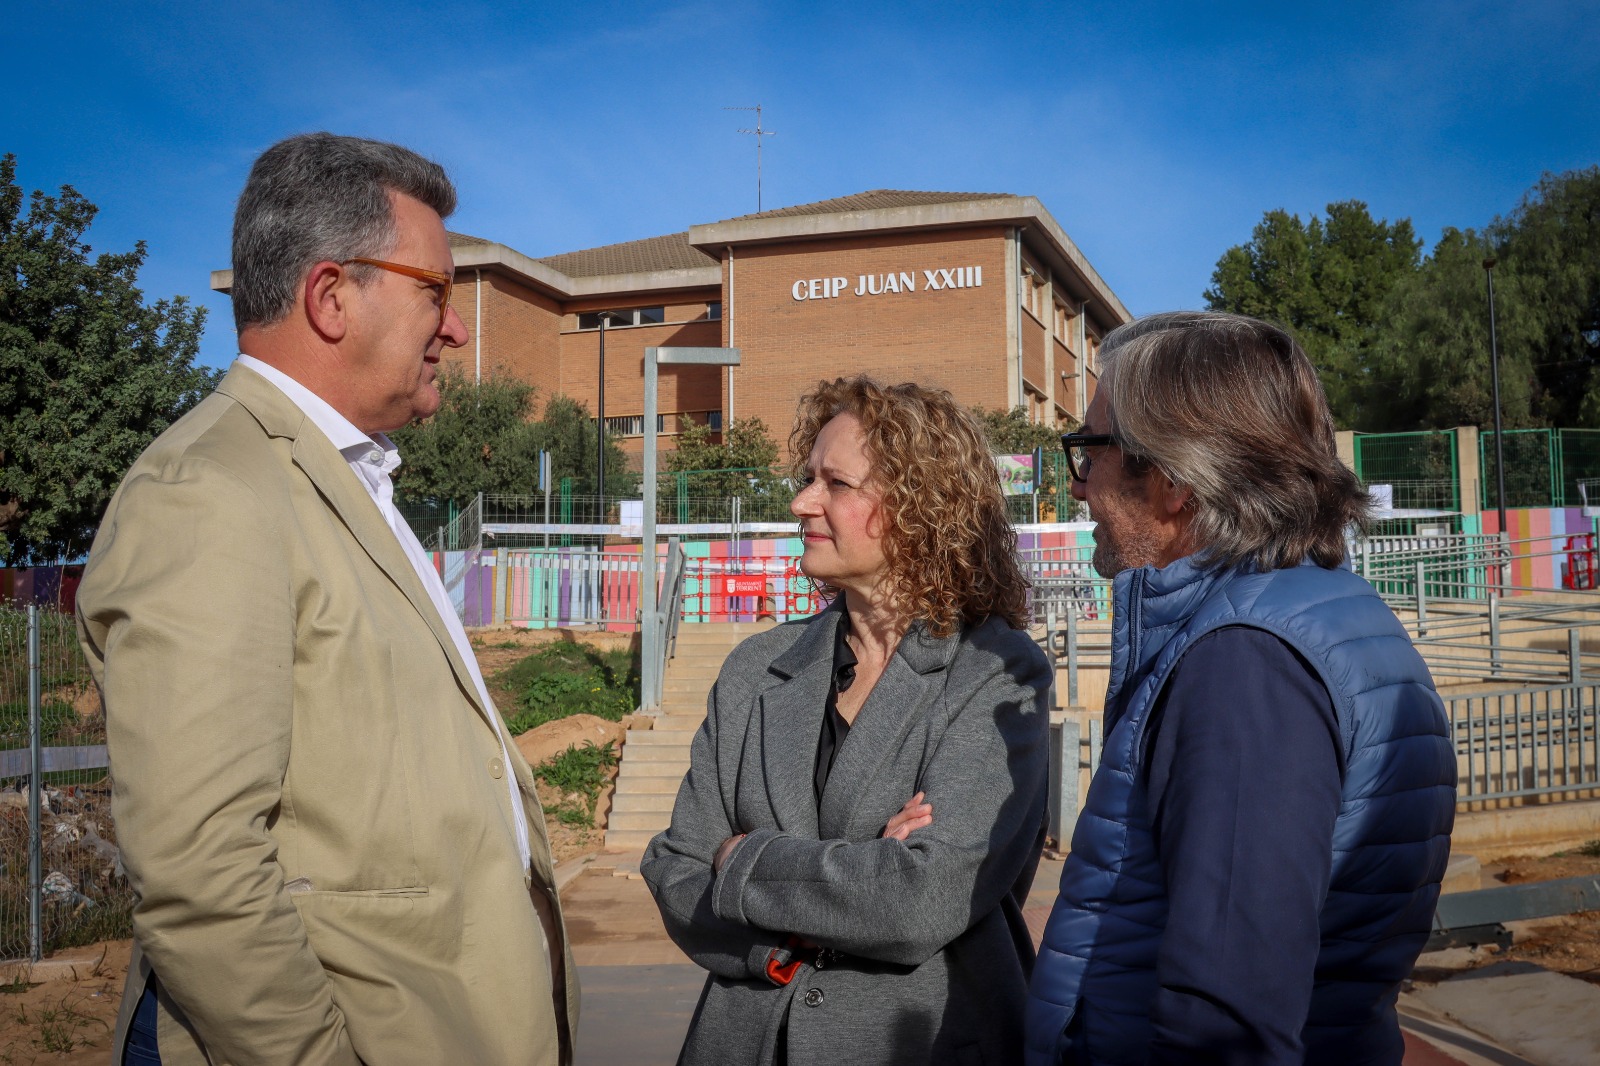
(673, 722)
(650, 821)
(629, 839)
(699, 656)
(650, 785)
(643, 803)
(673, 764)
(655, 738)
(656, 753)
(700, 685)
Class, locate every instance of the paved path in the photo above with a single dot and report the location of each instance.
(639, 990)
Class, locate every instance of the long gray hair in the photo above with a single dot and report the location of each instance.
(1230, 408)
(316, 197)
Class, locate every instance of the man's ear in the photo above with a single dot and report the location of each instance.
(1175, 498)
(327, 292)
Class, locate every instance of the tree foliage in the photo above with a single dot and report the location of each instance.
(484, 438)
(1328, 281)
(1403, 343)
(741, 464)
(1011, 433)
(89, 373)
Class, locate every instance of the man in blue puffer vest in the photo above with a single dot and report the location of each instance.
(1257, 863)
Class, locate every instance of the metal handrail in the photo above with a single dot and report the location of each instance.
(669, 613)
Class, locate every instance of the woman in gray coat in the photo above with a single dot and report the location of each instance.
(850, 851)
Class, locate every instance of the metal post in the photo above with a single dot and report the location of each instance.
(35, 786)
(650, 637)
(1494, 365)
(1422, 601)
(1065, 755)
(1072, 655)
(1574, 656)
(502, 583)
(1038, 480)
(650, 681)
(544, 482)
(600, 427)
(1050, 654)
(1494, 635)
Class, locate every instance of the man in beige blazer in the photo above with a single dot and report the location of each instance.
(338, 855)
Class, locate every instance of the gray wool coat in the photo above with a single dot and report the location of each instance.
(937, 957)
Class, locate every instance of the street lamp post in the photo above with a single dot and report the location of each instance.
(1494, 368)
(649, 633)
(600, 425)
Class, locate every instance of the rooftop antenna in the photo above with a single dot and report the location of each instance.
(759, 133)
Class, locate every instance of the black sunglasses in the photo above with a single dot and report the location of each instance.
(1077, 446)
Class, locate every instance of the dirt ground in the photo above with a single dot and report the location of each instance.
(1568, 944)
(65, 1022)
(68, 1020)
(497, 649)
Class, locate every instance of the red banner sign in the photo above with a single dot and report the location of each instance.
(744, 585)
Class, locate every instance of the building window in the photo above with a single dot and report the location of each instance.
(625, 426)
(714, 310)
(1063, 325)
(636, 316)
(714, 420)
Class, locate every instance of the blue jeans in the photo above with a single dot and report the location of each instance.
(141, 1049)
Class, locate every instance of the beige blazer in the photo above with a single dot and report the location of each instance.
(308, 790)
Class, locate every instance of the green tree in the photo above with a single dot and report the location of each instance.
(1329, 282)
(1548, 281)
(89, 373)
(568, 431)
(728, 467)
(1010, 432)
(484, 438)
(1431, 366)
(742, 464)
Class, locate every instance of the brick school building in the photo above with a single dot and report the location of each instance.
(981, 294)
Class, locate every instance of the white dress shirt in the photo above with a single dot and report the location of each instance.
(374, 460)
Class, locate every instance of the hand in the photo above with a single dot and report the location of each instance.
(914, 815)
(723, 851)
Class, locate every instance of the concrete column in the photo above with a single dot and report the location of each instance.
(1468, 472)
(1013, 318)
(1345, 445)
(1050, 384)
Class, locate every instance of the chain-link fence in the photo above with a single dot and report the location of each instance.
(1422, 467)
(1544, 467)
(61, 880)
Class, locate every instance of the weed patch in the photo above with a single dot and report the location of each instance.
(579, 772)
(567, 678)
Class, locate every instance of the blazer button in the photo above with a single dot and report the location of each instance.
(497, 768)
(813, 997)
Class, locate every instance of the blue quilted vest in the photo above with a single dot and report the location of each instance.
(1095, 978)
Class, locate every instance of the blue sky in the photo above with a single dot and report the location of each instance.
(1156, 133)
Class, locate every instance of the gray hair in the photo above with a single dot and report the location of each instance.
(1230, 408)
(316, 197)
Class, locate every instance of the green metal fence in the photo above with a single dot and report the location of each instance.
(1543, 466)
(1422, 467)
(61, 880)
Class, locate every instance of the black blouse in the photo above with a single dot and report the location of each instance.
(834, 727)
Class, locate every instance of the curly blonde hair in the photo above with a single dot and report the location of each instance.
(951, 552)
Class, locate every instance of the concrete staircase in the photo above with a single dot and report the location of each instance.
(655, 760)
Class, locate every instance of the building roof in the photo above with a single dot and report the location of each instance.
(674, 252)
(873, 200)
(671, 252)
(458, 240)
